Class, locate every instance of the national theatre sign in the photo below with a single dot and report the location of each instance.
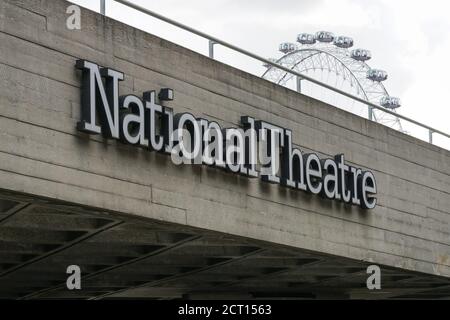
(255, 149)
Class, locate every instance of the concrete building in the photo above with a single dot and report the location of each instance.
(140, 226)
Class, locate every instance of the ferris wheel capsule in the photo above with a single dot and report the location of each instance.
(390, 102)
(287, 47)
(361, 54)
(306, 38)
(267, 65)
(377, 75)
(324, 36)
(343, 42)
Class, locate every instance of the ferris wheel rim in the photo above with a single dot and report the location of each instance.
(319, 51)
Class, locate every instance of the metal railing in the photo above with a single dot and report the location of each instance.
(103, 7)
(214, 41)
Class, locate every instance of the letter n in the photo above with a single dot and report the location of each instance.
(98, 98)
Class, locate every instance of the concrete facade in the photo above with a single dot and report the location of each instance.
(43, 156)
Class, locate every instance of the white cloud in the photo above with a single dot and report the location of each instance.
(408, 38)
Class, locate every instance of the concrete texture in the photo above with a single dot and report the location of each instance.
(43, 155)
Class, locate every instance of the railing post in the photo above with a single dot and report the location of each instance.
(103, 7)
(211, 48)
(299, 84)
(430, 136)
(370, 113)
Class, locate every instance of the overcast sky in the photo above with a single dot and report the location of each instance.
(409, 39)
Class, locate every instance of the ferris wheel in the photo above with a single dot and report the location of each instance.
(329, 59)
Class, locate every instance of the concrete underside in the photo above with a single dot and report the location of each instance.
(124, 257)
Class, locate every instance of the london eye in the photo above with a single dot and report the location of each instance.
(331, 59)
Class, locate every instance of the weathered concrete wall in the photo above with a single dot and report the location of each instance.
(42, 153)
